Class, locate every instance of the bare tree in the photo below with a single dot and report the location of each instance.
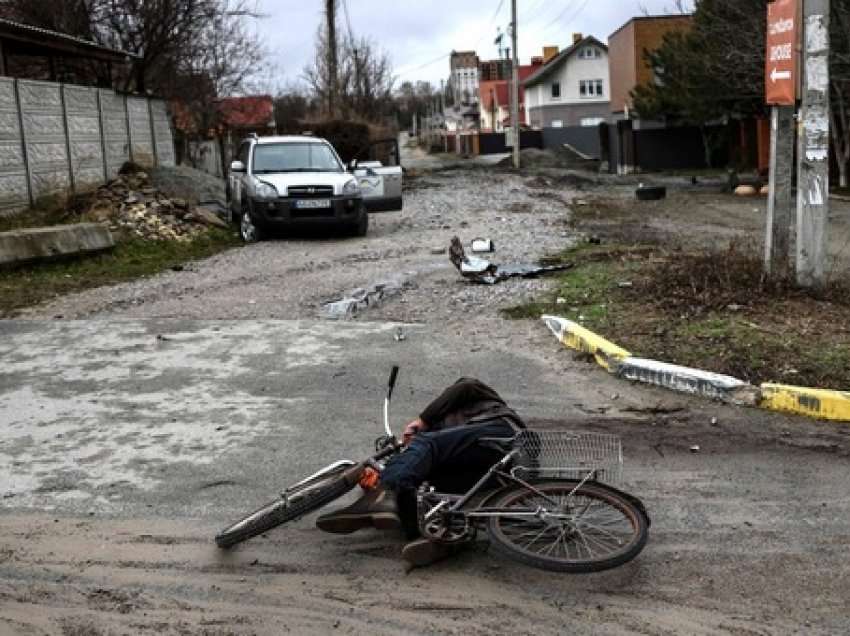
(364, 80)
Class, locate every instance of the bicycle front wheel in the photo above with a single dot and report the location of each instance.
(592, 529)
(280, 511)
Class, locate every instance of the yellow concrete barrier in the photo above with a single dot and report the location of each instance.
(819, 403)
(574, 336)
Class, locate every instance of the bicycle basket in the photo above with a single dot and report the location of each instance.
(569, 455)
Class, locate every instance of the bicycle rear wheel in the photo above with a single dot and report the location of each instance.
(280, 511)
(592, 529)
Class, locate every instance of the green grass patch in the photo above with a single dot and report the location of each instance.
(134, 258)
(710, 311)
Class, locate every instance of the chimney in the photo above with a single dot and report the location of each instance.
(549, 52)
(577, 37)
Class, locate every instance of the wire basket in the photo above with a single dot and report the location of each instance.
(569, 455)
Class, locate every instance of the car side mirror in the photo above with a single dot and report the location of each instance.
(352, 166)
(237, 166)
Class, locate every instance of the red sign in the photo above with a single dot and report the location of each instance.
(782, 59)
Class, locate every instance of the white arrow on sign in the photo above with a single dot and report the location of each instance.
(779, 75)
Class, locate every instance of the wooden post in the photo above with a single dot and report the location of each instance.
(813, 149)
(780, 202)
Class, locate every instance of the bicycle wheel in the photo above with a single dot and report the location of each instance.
(594, 529)
(275, 513)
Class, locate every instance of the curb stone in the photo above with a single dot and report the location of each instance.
(819, 403)
(815, 403)
(572, 335)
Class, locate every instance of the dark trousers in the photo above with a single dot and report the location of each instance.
(450, 460)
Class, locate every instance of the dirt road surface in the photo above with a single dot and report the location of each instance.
(170, 406)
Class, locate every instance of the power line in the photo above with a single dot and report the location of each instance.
(575, 14)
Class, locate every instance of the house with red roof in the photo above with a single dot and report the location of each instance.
(495, 99)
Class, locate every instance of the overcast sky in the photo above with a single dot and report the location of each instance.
(416, 32)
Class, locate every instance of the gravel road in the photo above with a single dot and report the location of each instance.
(172, 404)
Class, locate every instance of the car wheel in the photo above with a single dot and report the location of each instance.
(361, 227)
(249, 232)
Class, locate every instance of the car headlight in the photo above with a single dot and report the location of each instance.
(351, 187)
(264, 191)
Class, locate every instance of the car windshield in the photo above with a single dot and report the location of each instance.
(295, 157)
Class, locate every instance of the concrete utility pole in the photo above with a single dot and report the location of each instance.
(813, 150)
(515, 85)
(780, 202)
(330, 12)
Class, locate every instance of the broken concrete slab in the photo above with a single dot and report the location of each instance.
(44, 243)
(358, 300)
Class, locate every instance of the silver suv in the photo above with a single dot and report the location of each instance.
(280, 182)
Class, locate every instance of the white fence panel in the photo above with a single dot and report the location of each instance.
(84, 135)
(116, 137)
(14, 184)
(44, 136)
(162, 138)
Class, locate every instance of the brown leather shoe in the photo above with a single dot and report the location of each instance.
(377, 508)
(423, 552)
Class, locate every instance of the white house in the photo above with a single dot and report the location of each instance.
(571, 89)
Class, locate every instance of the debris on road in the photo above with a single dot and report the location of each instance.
(131, 204)
(360, 299)
(481, 246)
(400, 335)
(483, 271)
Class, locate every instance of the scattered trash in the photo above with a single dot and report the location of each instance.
(481, 245)
(437, 251)
(561, 301)
(625, 284)
(695, 448)
(734, 307)
(399, 335)
(714, 421)
(745, 191)
(483, 271)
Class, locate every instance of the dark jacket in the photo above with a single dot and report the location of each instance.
(467, 401)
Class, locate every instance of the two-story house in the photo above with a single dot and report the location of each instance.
(572, 88)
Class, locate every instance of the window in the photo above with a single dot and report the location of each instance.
(295, 157)
(590, 88)
(589, 53)
(591, 121)
(557, 123)
(556, 90)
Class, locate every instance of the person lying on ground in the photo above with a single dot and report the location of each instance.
(441, 449)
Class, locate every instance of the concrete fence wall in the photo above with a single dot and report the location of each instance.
(585, 139)
(55, 137)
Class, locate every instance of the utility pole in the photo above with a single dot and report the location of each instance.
(515, 85)
(813, 149)
(330, 12)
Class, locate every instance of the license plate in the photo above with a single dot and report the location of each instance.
(312, 204)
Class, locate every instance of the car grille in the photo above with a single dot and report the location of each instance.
(310, 192)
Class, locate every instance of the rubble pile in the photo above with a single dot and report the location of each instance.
(130, 204)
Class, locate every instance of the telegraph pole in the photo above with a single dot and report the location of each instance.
(330, 12)
(515, 85)
(813, 148)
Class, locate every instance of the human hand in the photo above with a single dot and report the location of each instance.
(416, 426)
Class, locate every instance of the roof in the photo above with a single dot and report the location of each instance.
(649, 18)
(291, 139)
(560, 58)
(501, 89)
(254, 111)
(45, 38)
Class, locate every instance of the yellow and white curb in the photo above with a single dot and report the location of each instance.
(574, 336)
(816, 403)
(819, 403)
(714, 386)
